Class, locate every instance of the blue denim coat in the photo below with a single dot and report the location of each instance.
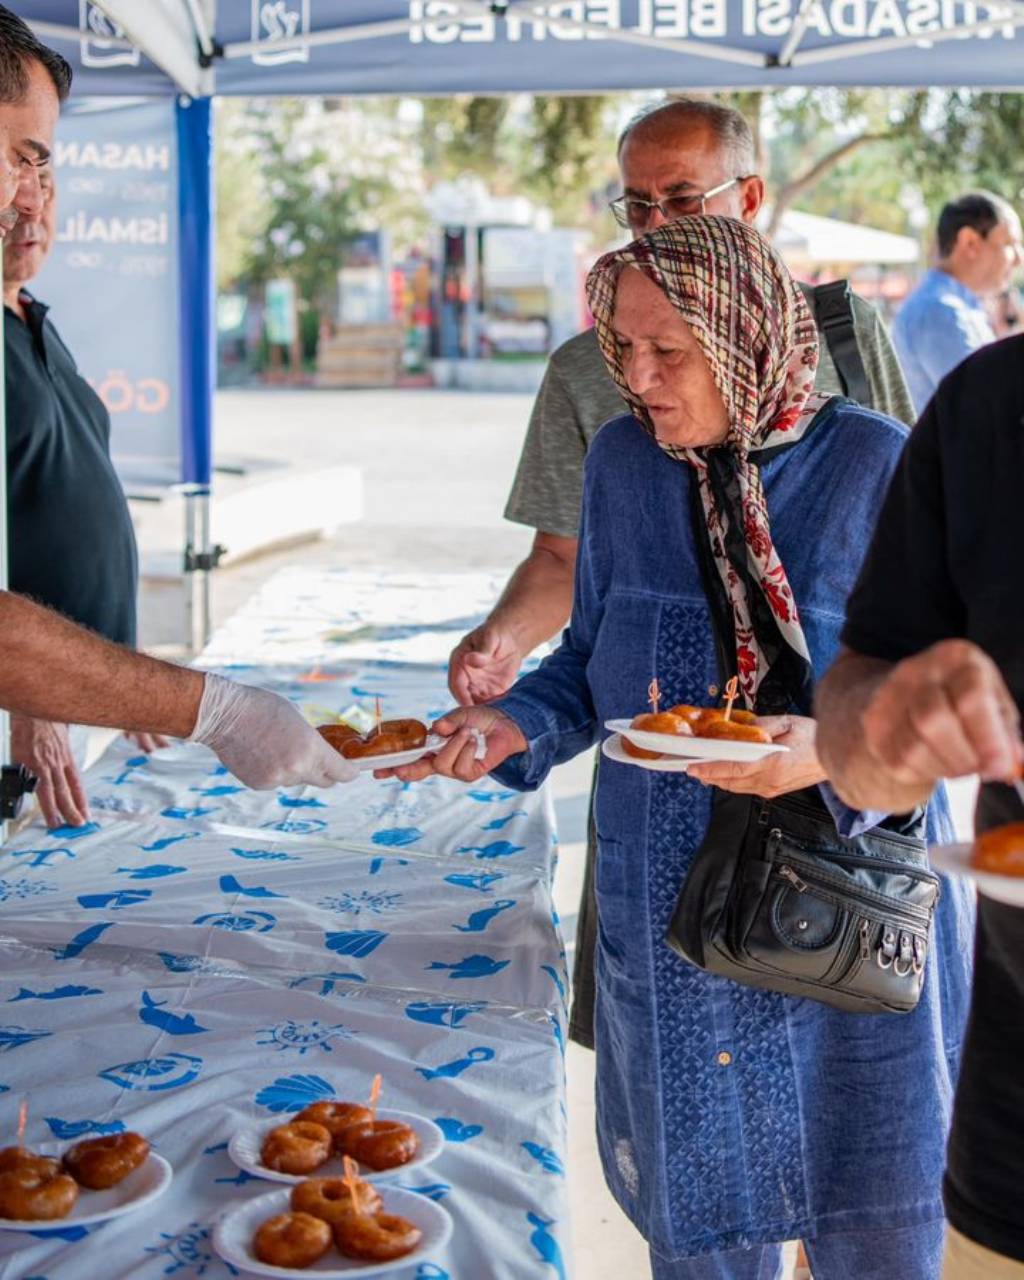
(729, 1116)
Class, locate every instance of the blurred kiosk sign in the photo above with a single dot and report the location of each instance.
(111, 278)
(279, 317)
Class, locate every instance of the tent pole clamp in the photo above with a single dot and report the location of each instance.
(203, 561)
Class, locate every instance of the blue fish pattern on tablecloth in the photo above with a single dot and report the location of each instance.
(450, 1070)
(266, 855)
(479, 920)
(68, 1130)
(292, 1093)
(442, 1014)
(155, 1075)
(165, 842)
(545, 1243)
(230, 884)
(300, 802)
(478, 966)
(153, 1014)
(186, 815)
(354, 942)
(496, 849)
(455, 1131)
(68, 992)
(13, 1037)
(497, 824)
(490, 797)
(548, 1160)
(76, 945)
(397, 837)
(479, 880)
(155, 871)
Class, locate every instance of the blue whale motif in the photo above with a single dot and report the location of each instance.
(397, 837)
(354, 942)
(496, 824)
(479, 880)
(153, 1015)
(545, 1243)
(185, 814)
(449, 1070)
(13, 1037)
(292, 1093)
(266, 855)
(548, 1160)
(471, 966)
(58, 993)
(300, 802)
(229, 884)
(496, 849)
(455, 1131)
(490, 797)
(71, 1234)
(68, 1129)
(80, 941)
(73, 833)
(155, 871)
(155, 1075)
(479, 920)
(442, 1014)
(165, 842)
(180, 964)
(115, 901)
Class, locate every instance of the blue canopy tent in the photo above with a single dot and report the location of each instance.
(187, 51)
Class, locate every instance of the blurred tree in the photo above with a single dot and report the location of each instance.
(969, 139)
(243, 207)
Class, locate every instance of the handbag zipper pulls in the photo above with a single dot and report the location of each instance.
(865, 943)
(789, 874)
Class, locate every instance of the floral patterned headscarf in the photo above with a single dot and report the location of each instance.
(758, 337)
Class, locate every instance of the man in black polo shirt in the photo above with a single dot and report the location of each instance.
(931, 685)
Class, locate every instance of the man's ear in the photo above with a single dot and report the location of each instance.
(968, 241)
(751, 197)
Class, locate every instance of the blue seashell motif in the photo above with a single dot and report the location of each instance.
(155, 871)
(155, 1075)
(548, 1160)
(180, 964)
(73, 833)
(496, 849)
(13, 1037)
(58, 993)
(266, 855)
(252, 922)
(292, 1093)
(229, 884)
(153, 1014)
(354, 942)
(471, 966)
(455, 1131)
(442, 1014)
(66, 1130)
(397, 837)
(479, 880)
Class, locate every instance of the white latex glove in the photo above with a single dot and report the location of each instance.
(263, 740)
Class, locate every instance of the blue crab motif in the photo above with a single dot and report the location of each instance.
(304, 1036)
(192, 1248)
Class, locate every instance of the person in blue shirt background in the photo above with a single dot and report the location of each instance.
(944, 319)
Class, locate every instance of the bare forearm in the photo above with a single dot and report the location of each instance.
(859, 778)
(537, 601)
(55, 670)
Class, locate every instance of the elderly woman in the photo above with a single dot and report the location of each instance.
(730, 1119)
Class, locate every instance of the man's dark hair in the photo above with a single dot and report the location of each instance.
(19, 47)
(729, 128)
(981, 210)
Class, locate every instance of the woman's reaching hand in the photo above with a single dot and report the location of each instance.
(458, 758)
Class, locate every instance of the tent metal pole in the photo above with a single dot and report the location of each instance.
(57, 31)
(861, 48)
(314, 39)
(796, 33)
(198, 606)
(200, 26)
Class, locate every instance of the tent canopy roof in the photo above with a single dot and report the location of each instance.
(252, 47)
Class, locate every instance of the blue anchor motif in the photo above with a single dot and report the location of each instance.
(545, 1243)
(354, 942)
(41, 857)
(229, 884)
(377, 863)
(58, 993)
(328, 981)
(115, 901)
(548, 1160)
(496, 824)
(449, 1070)
(471, 966)
(165, 842)
(292, 1093)
(174, 811)
(153, 1015)
(455, 1131)
(490, 797)
(496, 849)
(258, 921)
(300, 802)
(170, 1071)
(155, 871)
(479, 920)
(479, 880)
(396, 837)
(13, 1037)
(68, 1129)
(80, 941)
(442, 1014)
(266, 855)
(73, 833)
(552, 973)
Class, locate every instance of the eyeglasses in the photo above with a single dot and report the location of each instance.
(633, 212)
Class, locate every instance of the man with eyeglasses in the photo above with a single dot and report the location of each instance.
(685, 157)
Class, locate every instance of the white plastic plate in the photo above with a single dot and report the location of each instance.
(233, 1236)
(955, 860)
(612, 748)
(246, 1144)
(141, 1187)
(695, 748)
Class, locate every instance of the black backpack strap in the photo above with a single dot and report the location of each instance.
(832, 304)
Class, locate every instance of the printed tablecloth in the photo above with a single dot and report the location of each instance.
(202, 956)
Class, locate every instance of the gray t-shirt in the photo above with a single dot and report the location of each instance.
(578, 396)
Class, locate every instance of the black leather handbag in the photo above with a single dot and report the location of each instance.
(776, 899)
